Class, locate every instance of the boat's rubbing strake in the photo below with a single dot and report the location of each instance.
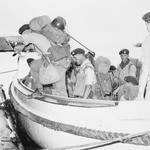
(19, 86)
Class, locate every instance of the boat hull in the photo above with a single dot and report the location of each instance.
(54, 122)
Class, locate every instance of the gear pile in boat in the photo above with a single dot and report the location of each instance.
(72, 73)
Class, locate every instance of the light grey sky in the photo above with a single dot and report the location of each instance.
(104, 26)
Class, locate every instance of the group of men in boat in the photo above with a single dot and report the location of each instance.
(77, 73)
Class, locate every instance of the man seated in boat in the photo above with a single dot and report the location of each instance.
(85, 77)
(104, 85)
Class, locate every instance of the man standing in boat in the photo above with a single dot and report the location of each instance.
(144, 82)
(51, 42)
(85, 78)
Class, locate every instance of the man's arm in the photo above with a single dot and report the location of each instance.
(142, 82)
(89, 81)
(87, 91)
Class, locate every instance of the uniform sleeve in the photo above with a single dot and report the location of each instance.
(132, 71)
(90, 78)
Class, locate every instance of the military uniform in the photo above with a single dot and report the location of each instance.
(125, 69)
(85, 76)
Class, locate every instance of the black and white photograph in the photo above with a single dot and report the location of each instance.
(75, 75)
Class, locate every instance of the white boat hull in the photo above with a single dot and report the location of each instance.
(56, 124)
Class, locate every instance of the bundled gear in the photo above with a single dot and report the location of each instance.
(38, 23)
(59, 52)
(53, 31)
(55, 35)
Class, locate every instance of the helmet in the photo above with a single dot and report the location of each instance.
(59, 22)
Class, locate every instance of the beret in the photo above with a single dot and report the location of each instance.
(23, 28)
(146, 17)
(91, 53)
(124, 51)
(77, 51)
(112, 68)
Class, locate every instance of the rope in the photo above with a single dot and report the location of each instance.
(4, 72)
(80, 43)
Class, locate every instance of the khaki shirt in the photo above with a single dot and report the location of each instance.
(85, 76)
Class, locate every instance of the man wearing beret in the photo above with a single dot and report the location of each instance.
(126, 67)
(144, 82)
(85, 78)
